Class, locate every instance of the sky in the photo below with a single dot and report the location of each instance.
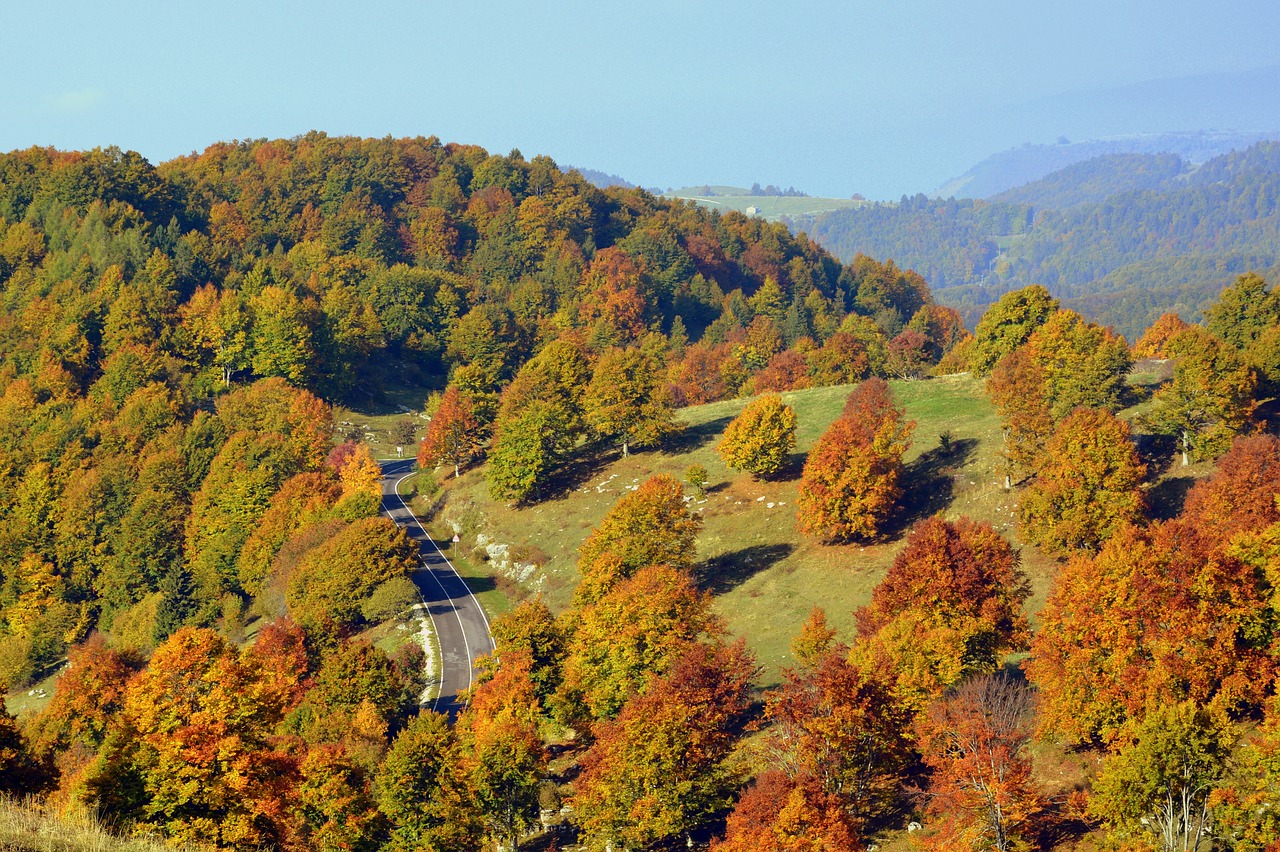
(835, 98)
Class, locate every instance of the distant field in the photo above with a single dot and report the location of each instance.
(769, 207)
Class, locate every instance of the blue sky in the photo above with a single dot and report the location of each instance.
(882, 98)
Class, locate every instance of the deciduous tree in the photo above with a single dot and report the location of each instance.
(626, 401)
(658, 771)
(850, 480)
(453, 435)
(1016, 388)
(1082, 363)
(192, 757)
(636, 629)
(531, 629)
(422, 787)
(1244, 310)
(980, 791)
(760, 438)
(1155, 339)
(1158, 615)
(332, 580)
(652, 526)
(504, 753)
(1087, 486)
(1157, 783)
(779, 813)
(949, 607)
(1240, 496)
(845, 729)
(1209, 399)
(1007, 324)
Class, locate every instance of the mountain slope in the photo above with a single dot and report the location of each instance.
(1169, 241)
(1018, 166)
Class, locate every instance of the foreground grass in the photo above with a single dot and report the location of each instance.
(25, 825)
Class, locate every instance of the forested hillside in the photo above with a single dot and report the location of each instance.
(179, 517)
(210, 633)
(1161, 238)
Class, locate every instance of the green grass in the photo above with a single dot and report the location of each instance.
(769, 207)
(765, 575)
(375, 429)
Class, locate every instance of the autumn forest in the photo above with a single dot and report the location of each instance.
(207, 625)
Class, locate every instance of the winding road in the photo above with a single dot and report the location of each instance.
(461, 627)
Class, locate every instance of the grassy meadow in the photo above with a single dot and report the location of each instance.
(765, 575)
(771, 207)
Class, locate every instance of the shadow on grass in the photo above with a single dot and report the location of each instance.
(693, 438)
(1157, 452)
(482, 583)
(1166, 498)
(929, 483)
(581, 467)
(730, 570)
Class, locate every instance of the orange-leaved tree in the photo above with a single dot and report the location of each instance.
(659, 770)
(850, 481)
(980, 790)
(950, 606)
(1016, 389)
(504, 753)
(453, 436)
(192, 755)
(1087, 487)
(1241, 494)
(846, 729)
(759, 439)
(779, 813)
(1158, 615)
(1155, 339)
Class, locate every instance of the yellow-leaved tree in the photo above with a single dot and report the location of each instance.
(759, 439)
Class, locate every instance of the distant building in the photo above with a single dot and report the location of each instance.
(753, 211)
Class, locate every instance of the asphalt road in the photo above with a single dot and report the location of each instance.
(462, 629)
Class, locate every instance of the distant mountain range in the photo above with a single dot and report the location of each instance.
(598, 178)
(1121, 238)
(1018, 166)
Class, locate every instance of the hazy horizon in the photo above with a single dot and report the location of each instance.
(830, 98)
